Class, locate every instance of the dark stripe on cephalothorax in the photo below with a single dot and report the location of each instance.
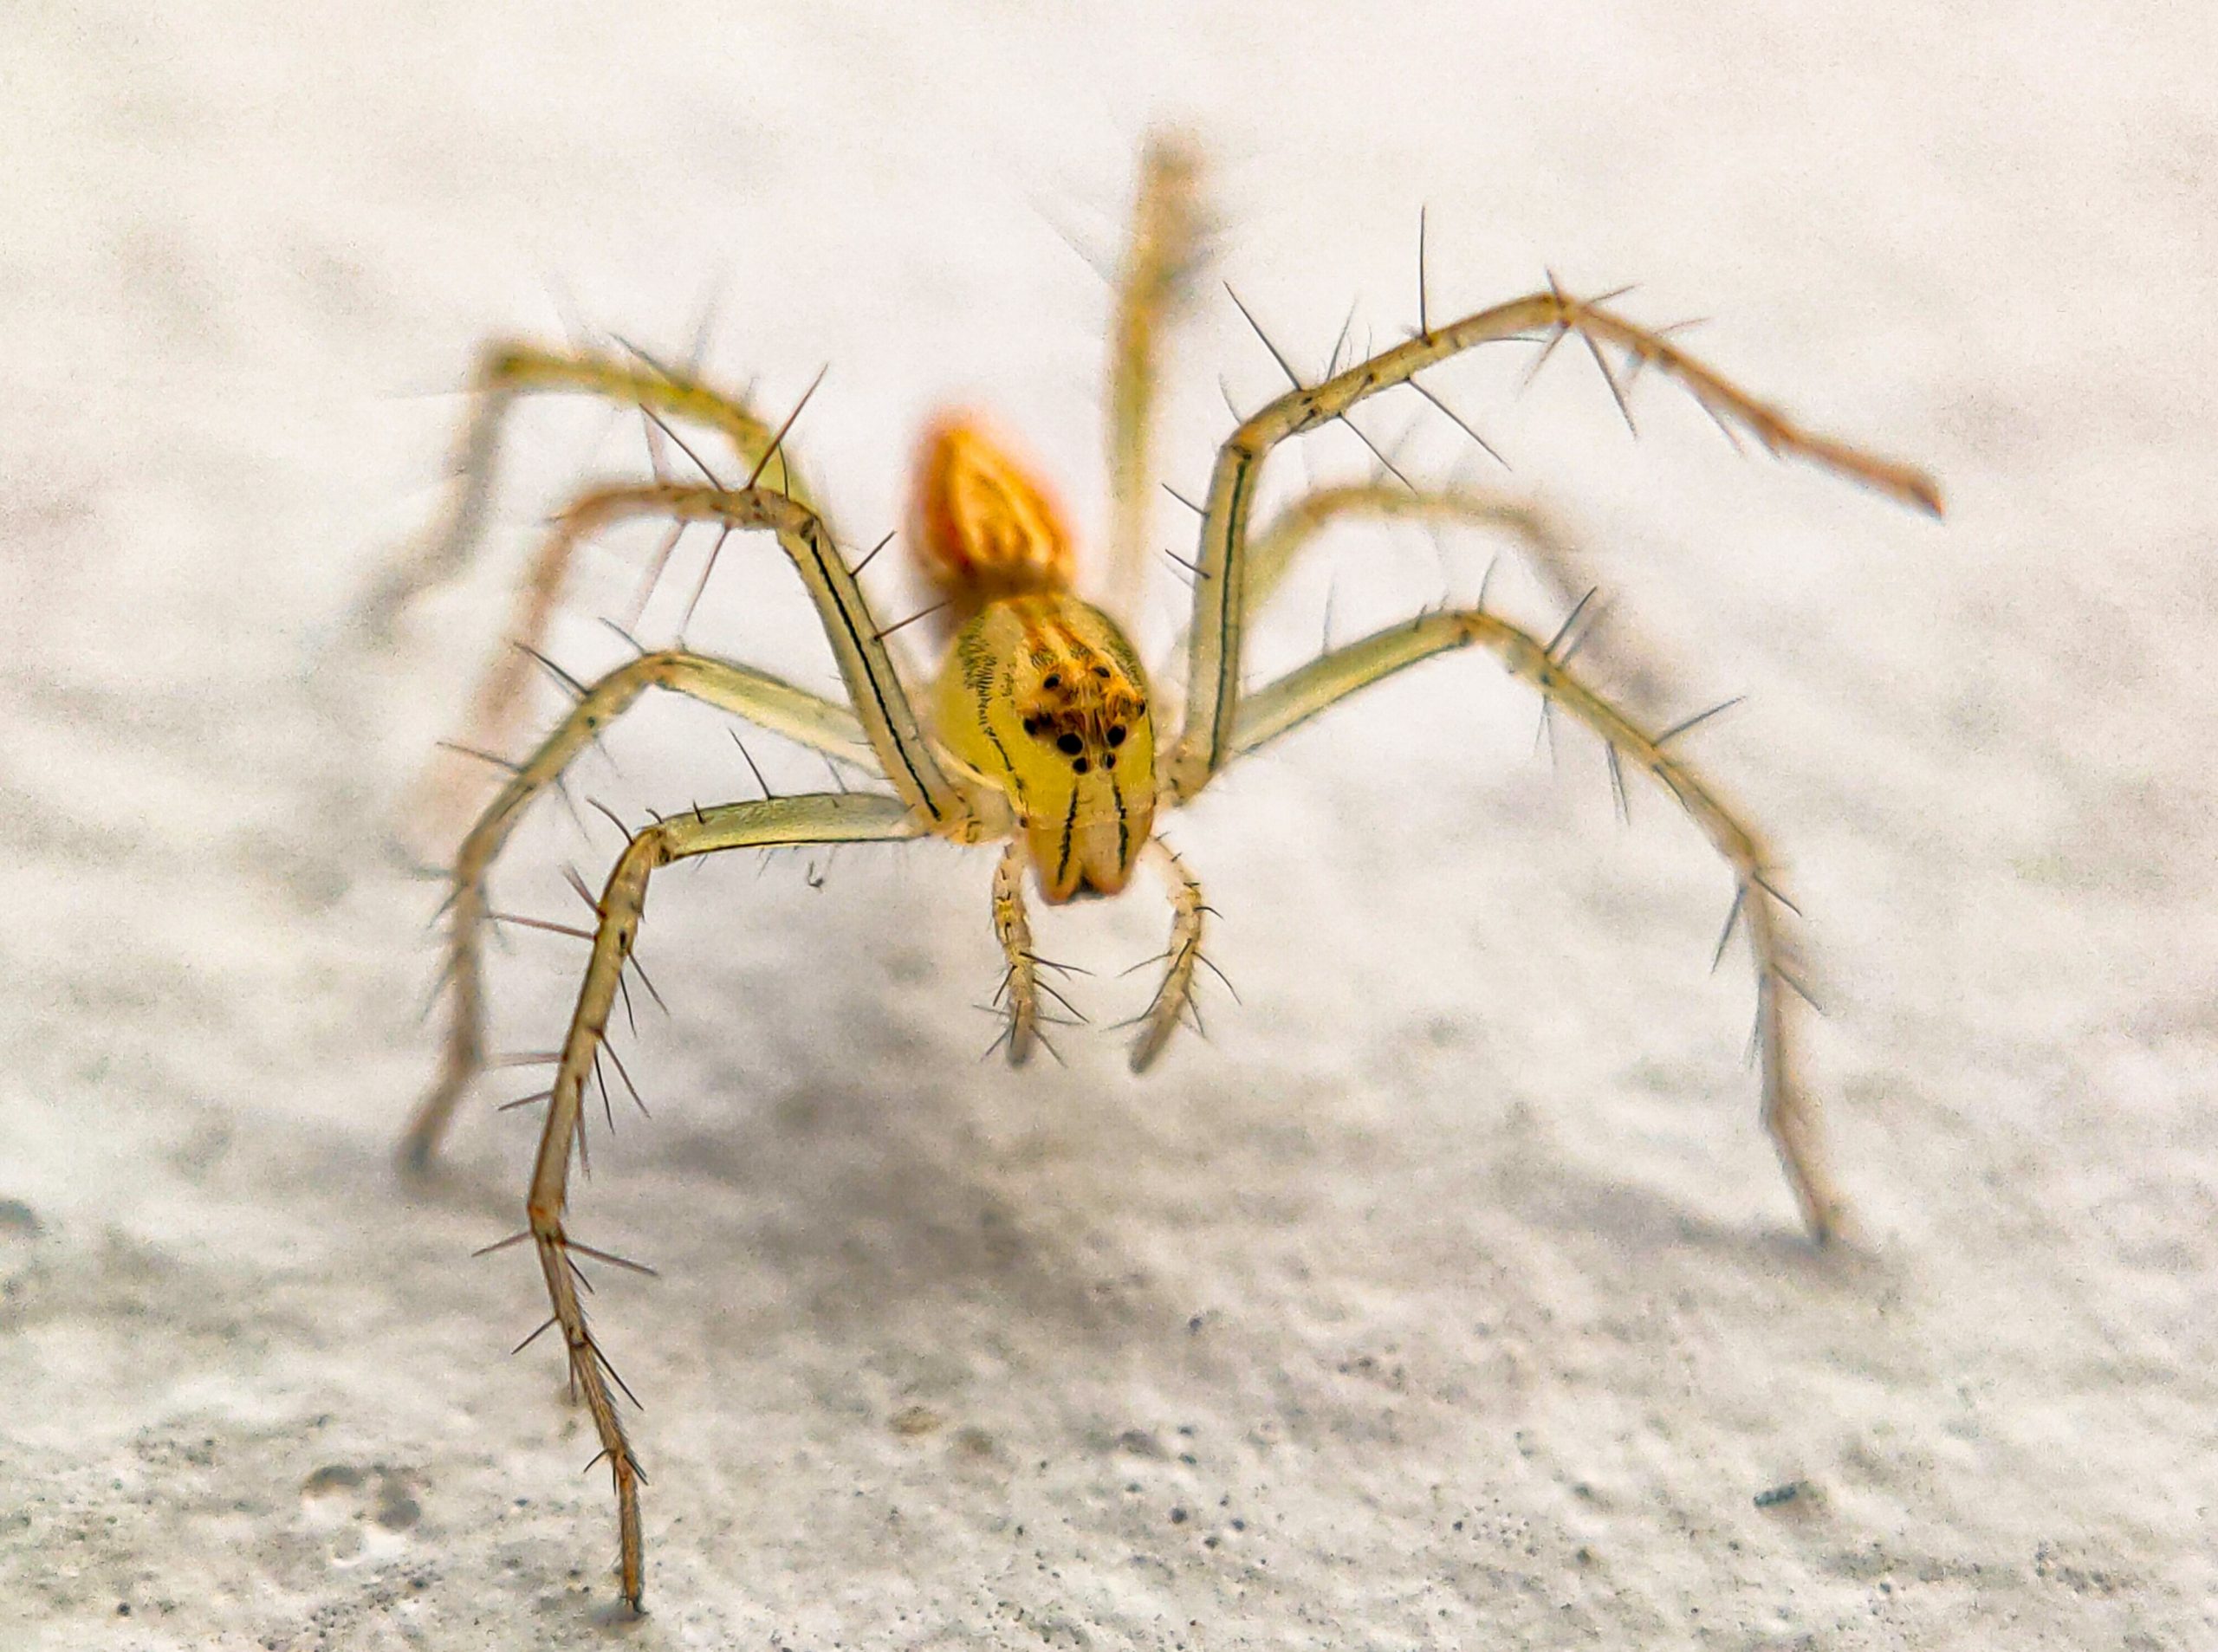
(1123, 825)
(1016, 779)
(1070, 823)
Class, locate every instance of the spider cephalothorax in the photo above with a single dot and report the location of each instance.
(1041, 695)
(1040, 730)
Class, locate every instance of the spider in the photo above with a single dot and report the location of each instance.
(1040, 731)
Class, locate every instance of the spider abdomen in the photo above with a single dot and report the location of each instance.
(982, 525)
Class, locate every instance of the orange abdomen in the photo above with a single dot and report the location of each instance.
(983, 527)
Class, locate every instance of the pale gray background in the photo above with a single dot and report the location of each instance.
(1450, 1295)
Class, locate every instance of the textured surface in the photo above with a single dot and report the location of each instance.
(1451, 1296)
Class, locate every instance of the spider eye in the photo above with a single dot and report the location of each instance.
(1032, 725)
(1110, 762)
(1117, 735)
(1101, 670)
(1078, 766)
(1053, 680)
(1069, 745)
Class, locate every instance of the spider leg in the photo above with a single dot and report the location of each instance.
(507, 371)
(1274, 546)
(1175, 993)
(884, 721)
(873, 687)
(1155, 284)
(819, 818)
(1547, 548)
(1020, 994)
(1790, 1114)
(497, 705)
(759, 697)
(1214, 641)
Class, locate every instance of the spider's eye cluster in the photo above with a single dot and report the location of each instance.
(1046, 697)
(1084, 711)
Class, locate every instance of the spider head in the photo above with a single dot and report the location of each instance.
(1045, 696)
(1087, 765)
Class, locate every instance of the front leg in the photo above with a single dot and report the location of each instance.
(819, 818)
(881, 705)
(1221, 596)
(760, 698)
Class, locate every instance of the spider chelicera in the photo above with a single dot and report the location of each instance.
(1041, 732)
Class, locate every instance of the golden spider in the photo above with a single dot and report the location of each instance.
(1040, 731)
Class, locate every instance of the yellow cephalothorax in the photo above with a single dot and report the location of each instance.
(1044, 697)
(1040, 695)
(1040, 730)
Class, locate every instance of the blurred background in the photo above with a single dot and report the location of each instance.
(1448, 1293)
